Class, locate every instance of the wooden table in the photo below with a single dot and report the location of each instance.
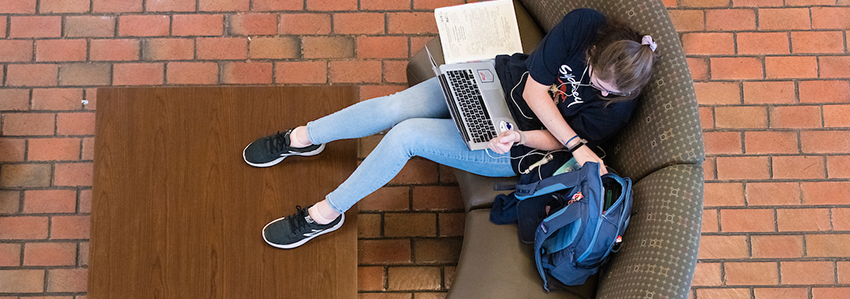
(176, 213)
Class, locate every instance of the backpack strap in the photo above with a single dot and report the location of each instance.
(557, 182)
(548, 227)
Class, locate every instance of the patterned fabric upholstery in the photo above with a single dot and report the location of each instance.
(659, 250)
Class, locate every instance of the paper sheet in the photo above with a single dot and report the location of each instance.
(478, 31)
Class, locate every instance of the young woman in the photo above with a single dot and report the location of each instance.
(572, 93)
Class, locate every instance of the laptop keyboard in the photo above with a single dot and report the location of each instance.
(468, 97)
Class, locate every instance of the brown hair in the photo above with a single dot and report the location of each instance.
(617, 54)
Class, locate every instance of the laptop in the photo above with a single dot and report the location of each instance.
(476, 100)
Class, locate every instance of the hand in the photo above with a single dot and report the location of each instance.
(503, 143)
(585, 154)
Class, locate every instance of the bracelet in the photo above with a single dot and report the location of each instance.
(581, 142)
(568, 141)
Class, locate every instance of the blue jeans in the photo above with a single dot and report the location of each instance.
(421, 126)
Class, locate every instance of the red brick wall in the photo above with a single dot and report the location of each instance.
(771, 78)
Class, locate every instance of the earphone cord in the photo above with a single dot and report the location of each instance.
(532, 166)
(514, 100)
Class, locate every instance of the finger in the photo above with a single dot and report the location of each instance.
(602, 169)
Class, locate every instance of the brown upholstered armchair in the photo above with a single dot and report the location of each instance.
(661, 150)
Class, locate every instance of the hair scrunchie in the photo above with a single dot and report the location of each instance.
(647, 40)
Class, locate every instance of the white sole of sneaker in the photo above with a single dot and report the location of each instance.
(299, 243)
(278, 160)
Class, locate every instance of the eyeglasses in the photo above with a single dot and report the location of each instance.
(602, 89)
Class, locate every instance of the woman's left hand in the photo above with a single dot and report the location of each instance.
(503, 143)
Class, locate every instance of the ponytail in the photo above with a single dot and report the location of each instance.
(623, 56)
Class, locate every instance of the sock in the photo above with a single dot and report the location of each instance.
(294, 141)
(322, 213)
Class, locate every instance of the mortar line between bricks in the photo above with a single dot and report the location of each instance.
(24, 241)
(817, 60)
(22, 214)
(769, 234)
(835, 270)
(42, 188)
(443, 287)
(383, 222)
(831, 220)
(412, 251)
(46, 281)
(772, 154)
(437, 223)
(77, 259)
(775, 226)
(751, 286)
(47, 294)
(400, 291)
(780, 180)
(783, 207)
(770, 165)
(77, 204)
(412, 265)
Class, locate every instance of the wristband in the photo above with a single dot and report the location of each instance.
(521, 138)
(568, 141)
(581, 142)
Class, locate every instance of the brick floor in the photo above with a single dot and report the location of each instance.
(772, 78)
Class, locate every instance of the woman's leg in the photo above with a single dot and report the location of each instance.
(424, 100)
(434, 139)
(362, 119)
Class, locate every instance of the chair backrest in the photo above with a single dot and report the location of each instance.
(665, 129)
(661, 150)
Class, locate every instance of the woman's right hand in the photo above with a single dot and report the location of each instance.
(502, 144)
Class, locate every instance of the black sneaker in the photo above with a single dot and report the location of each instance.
(294, 230)
(270, 150)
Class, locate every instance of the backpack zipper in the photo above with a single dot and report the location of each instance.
(599, 223)
(596, 232)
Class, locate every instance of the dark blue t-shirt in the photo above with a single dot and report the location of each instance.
(561, 59)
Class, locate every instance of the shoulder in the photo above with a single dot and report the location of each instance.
(585, 16)
(611, 111)
(580, 25)
(620, 111)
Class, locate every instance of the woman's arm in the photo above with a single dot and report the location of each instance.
(537, 97)
(539, 139)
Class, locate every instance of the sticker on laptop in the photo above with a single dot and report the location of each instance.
(505, 126)
(486, 76)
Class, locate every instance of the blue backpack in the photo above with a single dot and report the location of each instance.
(583, 219)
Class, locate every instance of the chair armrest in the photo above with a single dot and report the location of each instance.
(660, 246)
(477, 191)
(494, 264)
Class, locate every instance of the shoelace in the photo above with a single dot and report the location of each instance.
(277, 144)
(297, 220)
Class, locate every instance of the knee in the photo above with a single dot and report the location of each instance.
(405, 133)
